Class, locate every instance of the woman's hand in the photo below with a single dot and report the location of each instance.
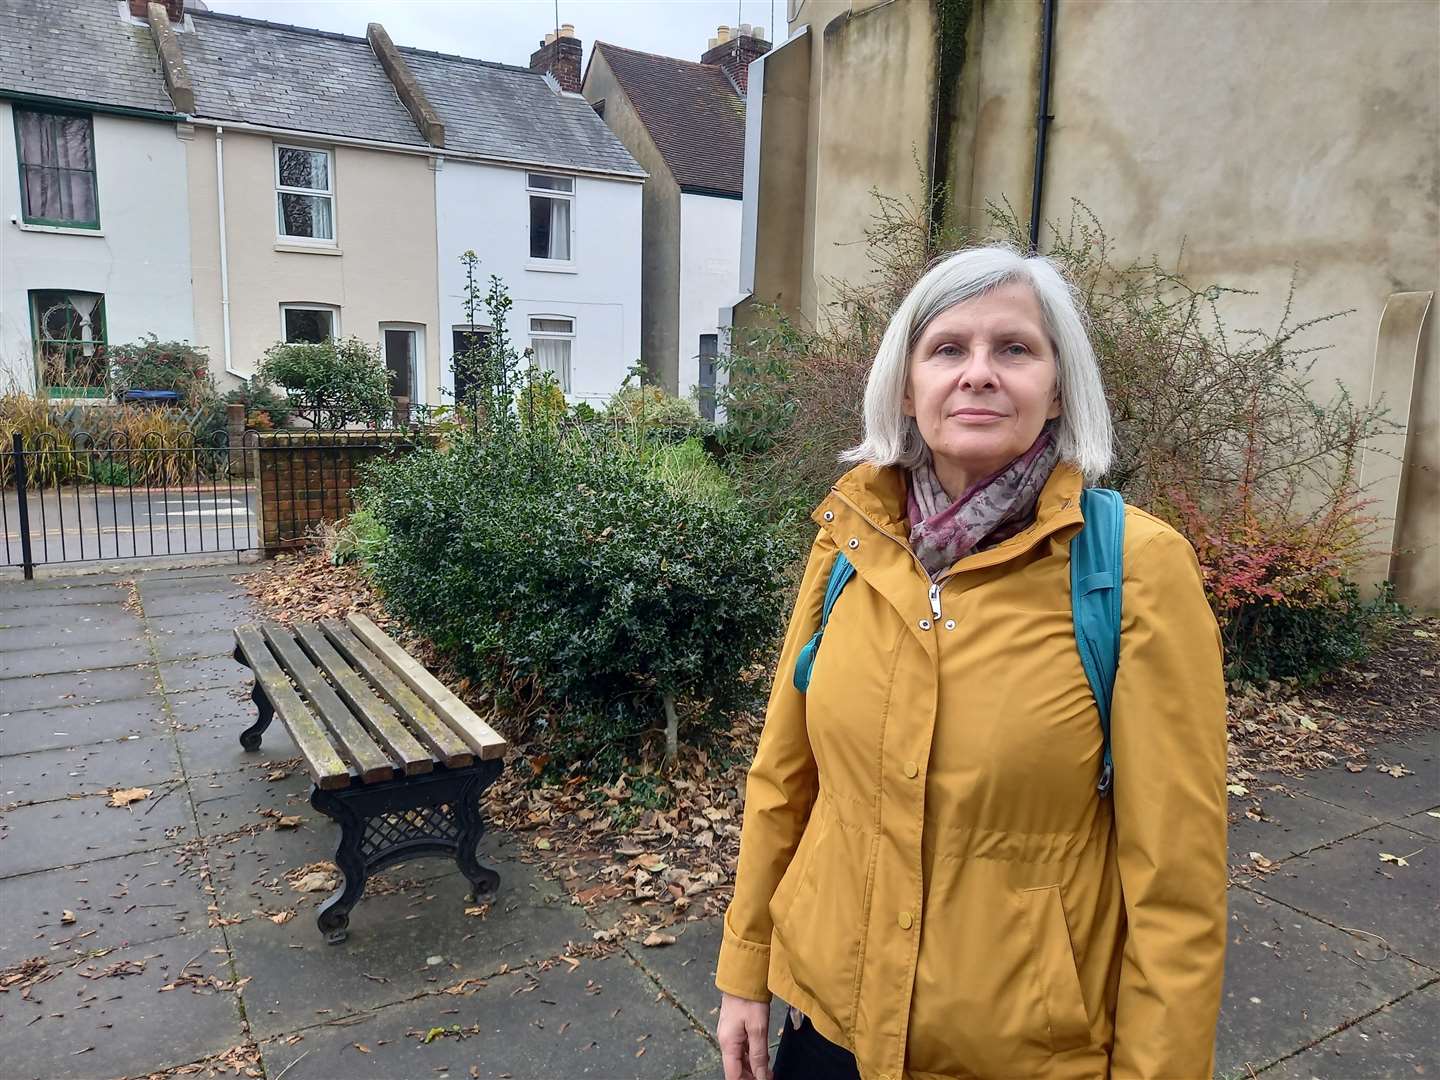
(743, 1033)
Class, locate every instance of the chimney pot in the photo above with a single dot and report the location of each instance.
(722, 35)
(744, 29)
(567, 29)
(760, 32)
(560, 55)
(548, 38)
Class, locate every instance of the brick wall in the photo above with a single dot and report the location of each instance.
(306, 478)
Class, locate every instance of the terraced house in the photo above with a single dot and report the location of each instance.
(324, 185)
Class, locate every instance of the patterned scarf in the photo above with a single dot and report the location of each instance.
(942, 532)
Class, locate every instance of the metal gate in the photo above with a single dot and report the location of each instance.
(67, 499)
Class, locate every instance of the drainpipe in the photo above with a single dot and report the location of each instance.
(224, 259)
(1042, 123)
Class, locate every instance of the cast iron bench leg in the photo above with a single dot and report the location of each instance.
(334, 916)
(383, 824)
(250, 737)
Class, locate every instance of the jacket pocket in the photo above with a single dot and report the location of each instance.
(798, 872)
(1054, 965)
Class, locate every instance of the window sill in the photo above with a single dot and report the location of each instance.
(58, 230)
(544, 266)
(309, 249)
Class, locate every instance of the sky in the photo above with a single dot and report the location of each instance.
(510, 30)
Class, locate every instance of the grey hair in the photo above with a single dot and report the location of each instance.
(1085, 433)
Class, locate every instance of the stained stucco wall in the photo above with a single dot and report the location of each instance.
(382, 269)
(1271, 140)
(139, 259)
(660, 217)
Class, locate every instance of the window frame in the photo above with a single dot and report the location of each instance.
(417, 356)
(101, 339)
(333, 309)
(477, 329)
(55, 223)
(568, 382)
(541, 262)
(282, 237)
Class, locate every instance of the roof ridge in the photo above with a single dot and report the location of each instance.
(656, 56)
(246, 20)
(433, 54)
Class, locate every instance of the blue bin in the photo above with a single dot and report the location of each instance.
(154, 397)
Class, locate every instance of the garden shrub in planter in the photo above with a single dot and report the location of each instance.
(617, 593)
(331, 383)
(264, 408)
(151, 364)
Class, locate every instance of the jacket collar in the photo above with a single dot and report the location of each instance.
(874, 495)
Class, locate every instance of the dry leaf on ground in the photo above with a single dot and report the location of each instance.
(126, 796)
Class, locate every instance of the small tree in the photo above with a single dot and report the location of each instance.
(331, 383)
(152, 364)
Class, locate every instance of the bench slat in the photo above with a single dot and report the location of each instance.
(379, 721)
(327, 766)
(431, 730)
(371, 762)
(481, 737)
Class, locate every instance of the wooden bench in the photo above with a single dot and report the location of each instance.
(398, 761)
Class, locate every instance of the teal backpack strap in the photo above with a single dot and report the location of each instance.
(1096, 573)
(840, 575)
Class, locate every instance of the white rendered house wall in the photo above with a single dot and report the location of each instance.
(138, 259)
(709, 275)
(578, 301)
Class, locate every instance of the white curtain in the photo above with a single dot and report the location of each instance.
(560, 229)
(553, 354)
(84, 305)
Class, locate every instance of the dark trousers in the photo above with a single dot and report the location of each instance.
(805, 1054)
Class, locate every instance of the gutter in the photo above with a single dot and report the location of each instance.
(1042, 123)
(91, 106)
(418, 150)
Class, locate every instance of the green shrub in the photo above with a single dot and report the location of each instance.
(258, 397)
(686, 469)
(1291, 641)
(331, 383)
(151, 364)
(540, 402)
(656, 413)
(615, 592)
(357, 539)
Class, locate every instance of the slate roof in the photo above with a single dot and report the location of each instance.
(292, 77)
(79, 50)
(692, 112)
(510, 113)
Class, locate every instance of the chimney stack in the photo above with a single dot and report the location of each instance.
(734, 54)
(175, 9)
(560, 55)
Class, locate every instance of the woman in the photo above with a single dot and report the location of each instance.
(928, 872)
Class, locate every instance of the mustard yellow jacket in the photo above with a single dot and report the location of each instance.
(926, 868)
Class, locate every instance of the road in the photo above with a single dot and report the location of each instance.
(83, 524)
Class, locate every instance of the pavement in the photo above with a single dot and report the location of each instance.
(167, 937)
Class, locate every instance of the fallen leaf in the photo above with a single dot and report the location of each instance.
(289, 821)
(655, 939)
(281, 917)
(543, 844)
(277, 774)
(1398, 860)
(1237, 789)
(1308, 724)
(361, 1047)
(126, 796)
(1355, 766)
(315, 881)
(1396, 771)
(67, 917)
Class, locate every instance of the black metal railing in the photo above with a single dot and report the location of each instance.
(72, 498)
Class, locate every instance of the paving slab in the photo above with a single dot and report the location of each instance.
(209, 673)
(1379, 794)
(1347, 884)
(1293, 823)
(211, 575)
(1400, 1040)
(122, 1025)
(687, 972)
(1290, 979)
(175, 602)
(55, 834)
(76, 688)
(211, 621)
(208, 727)
(123, 901)
(600, 1020)
(124, 648)
(69, 633)
(56, 595)
(1426, 823)
(89, 770)
(78, 725)
(174, 645)
(36, 613)
(392, 936)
